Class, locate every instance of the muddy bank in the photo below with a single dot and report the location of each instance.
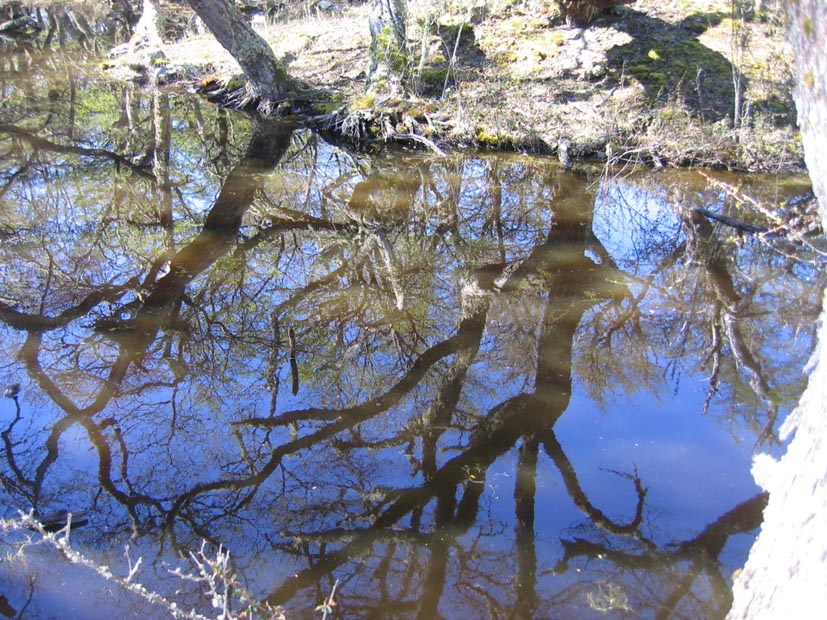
(661, 83)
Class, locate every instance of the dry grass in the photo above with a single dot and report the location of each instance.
(653, 81)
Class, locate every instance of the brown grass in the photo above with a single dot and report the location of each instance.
(653, 81)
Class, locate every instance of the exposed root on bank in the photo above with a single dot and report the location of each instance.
(299, 99)
(398, 123)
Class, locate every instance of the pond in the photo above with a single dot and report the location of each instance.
(474, 386)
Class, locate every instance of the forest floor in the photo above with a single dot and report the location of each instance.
(652, 81)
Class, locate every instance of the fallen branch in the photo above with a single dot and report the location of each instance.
(222, 585)
(61, 543)
(730, 221)
(735, 193)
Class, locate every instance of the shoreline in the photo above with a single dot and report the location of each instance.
(646, 84)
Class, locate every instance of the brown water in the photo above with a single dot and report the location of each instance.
(466, 387)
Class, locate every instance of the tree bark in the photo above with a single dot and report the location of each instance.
(148, 29)
(581, 12)
(266, 75)
(388, 41)
(784, 575)
(808, 35)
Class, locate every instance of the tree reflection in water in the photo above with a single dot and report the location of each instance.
(442, 315)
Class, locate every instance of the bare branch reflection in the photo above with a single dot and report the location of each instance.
(443, 323)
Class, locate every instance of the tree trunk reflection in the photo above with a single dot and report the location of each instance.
(443, 324)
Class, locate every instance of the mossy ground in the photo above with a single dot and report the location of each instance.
(652, 81)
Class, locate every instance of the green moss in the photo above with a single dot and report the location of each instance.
(506, 57)
(491, 139)
(434, 76)
(326, 107)
(518, 24)
(389, 51)
(418, 114)
(689, 56)
(280, 74)
(366, 102)
(157, 58)
(485, 137)
(235, 82)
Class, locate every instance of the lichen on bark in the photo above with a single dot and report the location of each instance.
(266, 76)
(388, 45)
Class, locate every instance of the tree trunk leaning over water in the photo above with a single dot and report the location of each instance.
(266, 75)
(784, 575)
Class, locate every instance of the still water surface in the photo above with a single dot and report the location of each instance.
(464, 387)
